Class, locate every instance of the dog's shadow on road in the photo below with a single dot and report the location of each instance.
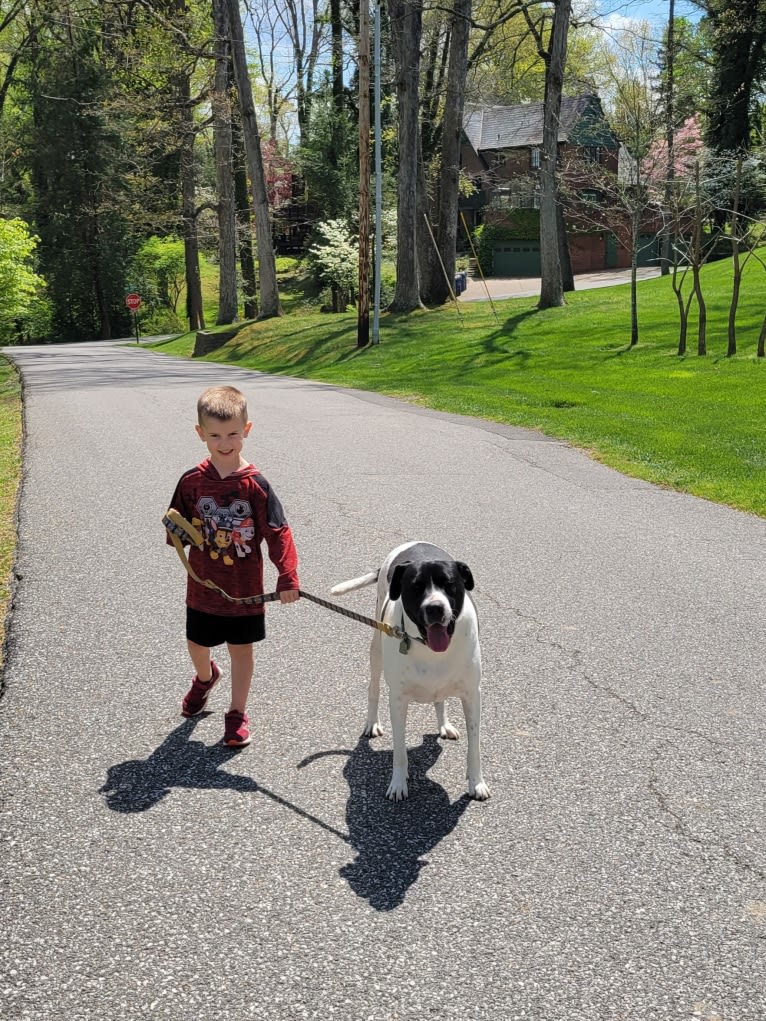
(139, 784)
(391, 839)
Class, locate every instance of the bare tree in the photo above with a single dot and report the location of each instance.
(690, 210)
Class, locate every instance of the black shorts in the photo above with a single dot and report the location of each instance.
(208, 629)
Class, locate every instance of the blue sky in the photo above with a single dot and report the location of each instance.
(646, 10)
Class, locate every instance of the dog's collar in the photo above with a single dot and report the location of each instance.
(407, 638)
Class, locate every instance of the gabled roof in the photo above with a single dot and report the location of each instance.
(581, 122)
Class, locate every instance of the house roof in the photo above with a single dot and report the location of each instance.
(581, 122)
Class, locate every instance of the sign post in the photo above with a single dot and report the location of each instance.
(133, 301)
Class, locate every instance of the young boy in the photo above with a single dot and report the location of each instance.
(234, 508)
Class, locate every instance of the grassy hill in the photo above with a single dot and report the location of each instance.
(691, 423)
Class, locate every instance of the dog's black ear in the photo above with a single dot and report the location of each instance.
(395, 585)
(465, 573)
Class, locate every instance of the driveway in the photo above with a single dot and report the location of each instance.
(479, 289)
(619, 870)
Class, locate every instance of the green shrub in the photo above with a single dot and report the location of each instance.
(520, 225)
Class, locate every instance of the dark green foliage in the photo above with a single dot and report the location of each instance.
(521, 225)
(691, 69)
(78, 167)
(739, 66)
(329, 160)
(592, 127)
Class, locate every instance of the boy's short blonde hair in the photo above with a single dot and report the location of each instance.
(222, 403)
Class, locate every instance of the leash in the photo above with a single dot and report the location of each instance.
(180, 530)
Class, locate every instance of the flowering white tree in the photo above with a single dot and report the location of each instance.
(336, 262)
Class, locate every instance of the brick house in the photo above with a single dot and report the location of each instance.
(501, 153)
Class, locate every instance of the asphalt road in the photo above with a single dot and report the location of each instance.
(619, 870)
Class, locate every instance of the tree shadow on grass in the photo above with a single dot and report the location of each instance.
(391, 839)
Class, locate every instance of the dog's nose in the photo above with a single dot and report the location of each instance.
(433, 612)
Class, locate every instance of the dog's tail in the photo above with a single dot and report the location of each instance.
(350, 586)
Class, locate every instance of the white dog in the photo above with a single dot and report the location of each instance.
(422, 591)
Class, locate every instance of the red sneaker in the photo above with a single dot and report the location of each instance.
(196, 697)
(237, 732)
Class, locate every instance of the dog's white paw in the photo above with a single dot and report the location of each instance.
(449, 733)
(373, 730)
(479, 791)
(398, 789)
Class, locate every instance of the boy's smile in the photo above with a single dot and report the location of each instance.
(224, 439)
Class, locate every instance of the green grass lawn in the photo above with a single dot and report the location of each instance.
(10, 477)
(691, 423)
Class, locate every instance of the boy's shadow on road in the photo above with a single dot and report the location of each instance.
(392, 838)
(140, 784)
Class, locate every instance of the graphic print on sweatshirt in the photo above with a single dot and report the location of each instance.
(228, 531)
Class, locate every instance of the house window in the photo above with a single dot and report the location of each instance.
(592, 153)
(534, 158)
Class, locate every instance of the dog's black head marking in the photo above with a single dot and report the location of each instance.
(432, 594)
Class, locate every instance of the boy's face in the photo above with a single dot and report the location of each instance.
(224, 438)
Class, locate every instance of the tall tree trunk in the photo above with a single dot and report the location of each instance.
(634, 226)
(737, 268)
(696, 264)
(551, 288)
(336, 29)
(565, 259)
(222, 143)
(670, 133)
(406, 28)
(270, 304)
(437, 289)
(683, 308)
(426, 257)
(243, 211)
(363, 306)
(194, 308)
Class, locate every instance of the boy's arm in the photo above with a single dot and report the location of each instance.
(180, 504)
(279, 541)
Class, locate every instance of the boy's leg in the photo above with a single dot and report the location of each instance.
(200, 657)
(242, 661)
(207, 676)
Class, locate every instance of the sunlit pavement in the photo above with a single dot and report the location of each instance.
(524, 287)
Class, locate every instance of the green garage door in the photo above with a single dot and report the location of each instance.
(517, 259)
(648, 253)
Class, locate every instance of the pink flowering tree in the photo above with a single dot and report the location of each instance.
(688, 148)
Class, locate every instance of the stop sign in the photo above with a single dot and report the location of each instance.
(133, 301)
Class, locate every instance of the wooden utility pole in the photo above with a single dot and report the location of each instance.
(363, 317)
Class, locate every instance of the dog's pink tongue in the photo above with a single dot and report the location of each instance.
(437, 638)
